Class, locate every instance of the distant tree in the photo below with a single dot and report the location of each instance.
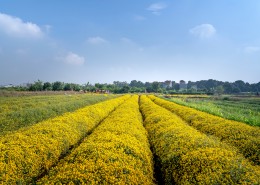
(57, 86)
(125, 89)
(67, 87)
(36, 86)
(47, 86)
(176, 87)
(76, 87)
(135, 83)
(219, 90)
(155, 86)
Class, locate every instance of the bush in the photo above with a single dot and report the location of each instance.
(187, 156)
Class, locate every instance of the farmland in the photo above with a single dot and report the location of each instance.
(243, 109)
(19, 112)
(128, 139)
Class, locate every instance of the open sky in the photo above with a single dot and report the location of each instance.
(122, 40)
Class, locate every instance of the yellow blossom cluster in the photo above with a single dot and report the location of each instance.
(18, 112)
(26, 154)
(117, 152)
(187, 156)
(246, 138)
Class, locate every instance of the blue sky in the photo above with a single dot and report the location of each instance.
(122, 40)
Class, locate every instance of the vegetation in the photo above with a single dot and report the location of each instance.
(117, 152)
(125, 140)
(244, 109)
(168, 87)
(246, 138)
(19, 112)
(186, 156)
(26, 154)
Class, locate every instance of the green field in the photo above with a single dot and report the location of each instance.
(127, 139)
(21, 111)
(243, 109)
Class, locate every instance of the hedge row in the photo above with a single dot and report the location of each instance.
(19, 112)
(26, 154)
(246, 138)
(187, 156)
(117, 152)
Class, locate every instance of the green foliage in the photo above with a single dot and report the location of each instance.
(246, 109)
(57, 86)
(20, 112)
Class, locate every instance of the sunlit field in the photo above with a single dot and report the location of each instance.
(123, 139)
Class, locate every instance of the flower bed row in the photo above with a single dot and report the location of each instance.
(19, 112)
(246, 138)
(187, 156)
(26, 154)
(117, 152)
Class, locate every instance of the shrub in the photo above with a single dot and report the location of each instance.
(246, 138)
(187, 156)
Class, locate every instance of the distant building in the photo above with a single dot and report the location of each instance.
(7, 86)
(183, 85)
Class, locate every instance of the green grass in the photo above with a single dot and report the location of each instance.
(19, 112)
(243, 109)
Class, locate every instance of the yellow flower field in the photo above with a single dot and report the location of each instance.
(246, 138)
(187, 156)
(26, 154)
(131, 140)
(19, 112)
(117, 152)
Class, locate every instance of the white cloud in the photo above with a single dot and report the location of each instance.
(96, 40)
(203, 31)
(15, 27)
(139, 18)
(251, 49)
(155, 8)
(74, 59)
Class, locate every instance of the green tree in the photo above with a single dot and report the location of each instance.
(67, 87)
(47, 86)
(57, 86)
(219, 90)
(37, 86)
(155, 86)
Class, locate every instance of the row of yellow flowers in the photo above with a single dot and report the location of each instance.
(117, 152)
(18, 112)
(26, 154)
(246, 138)
(187, 156)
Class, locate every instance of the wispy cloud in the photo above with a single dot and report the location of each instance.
(156, 8)
(251, 49)
(16, 27)
(74, 59)
(96, 40)
(203, 31)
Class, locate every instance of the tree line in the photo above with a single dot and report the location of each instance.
(203, 86)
